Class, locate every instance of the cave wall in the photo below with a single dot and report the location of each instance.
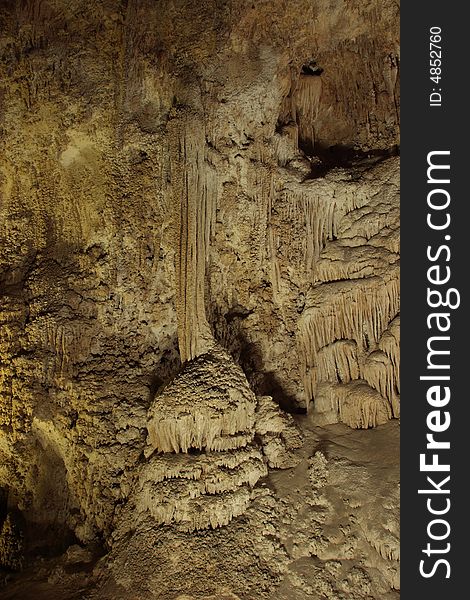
(169, 175)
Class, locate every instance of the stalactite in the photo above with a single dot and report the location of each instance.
(301, 106)
(390, 344)
(287, 143)
(305, 104)
(194, 191)
(342, 363)
(339, 262)
(380, 374)
(388, 546)
(355, 403)
(338, 362)
(310, 214)
(262, 190)
(358, 310)
(273, 245)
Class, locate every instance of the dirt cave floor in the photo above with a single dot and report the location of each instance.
(327, 528)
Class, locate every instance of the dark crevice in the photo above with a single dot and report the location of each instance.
(311, 69)
(325, 158)
(168, 367)
(366, 341)
(47, 539)
(265, 383)
(229, 329)
(196, 451)
(237, 312)
(338, 375)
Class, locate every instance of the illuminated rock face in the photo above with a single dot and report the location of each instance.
(192, 195)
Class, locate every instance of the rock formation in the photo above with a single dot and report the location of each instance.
(202, 429)
(199, 260)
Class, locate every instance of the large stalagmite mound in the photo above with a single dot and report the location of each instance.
(198, 492)
(203, 458)
(208, 405)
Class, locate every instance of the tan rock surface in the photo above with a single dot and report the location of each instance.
(174, 177)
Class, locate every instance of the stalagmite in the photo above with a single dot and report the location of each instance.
(201, 455)
(11, 544)
(199, 491)
(278, 432)
(206, 406)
